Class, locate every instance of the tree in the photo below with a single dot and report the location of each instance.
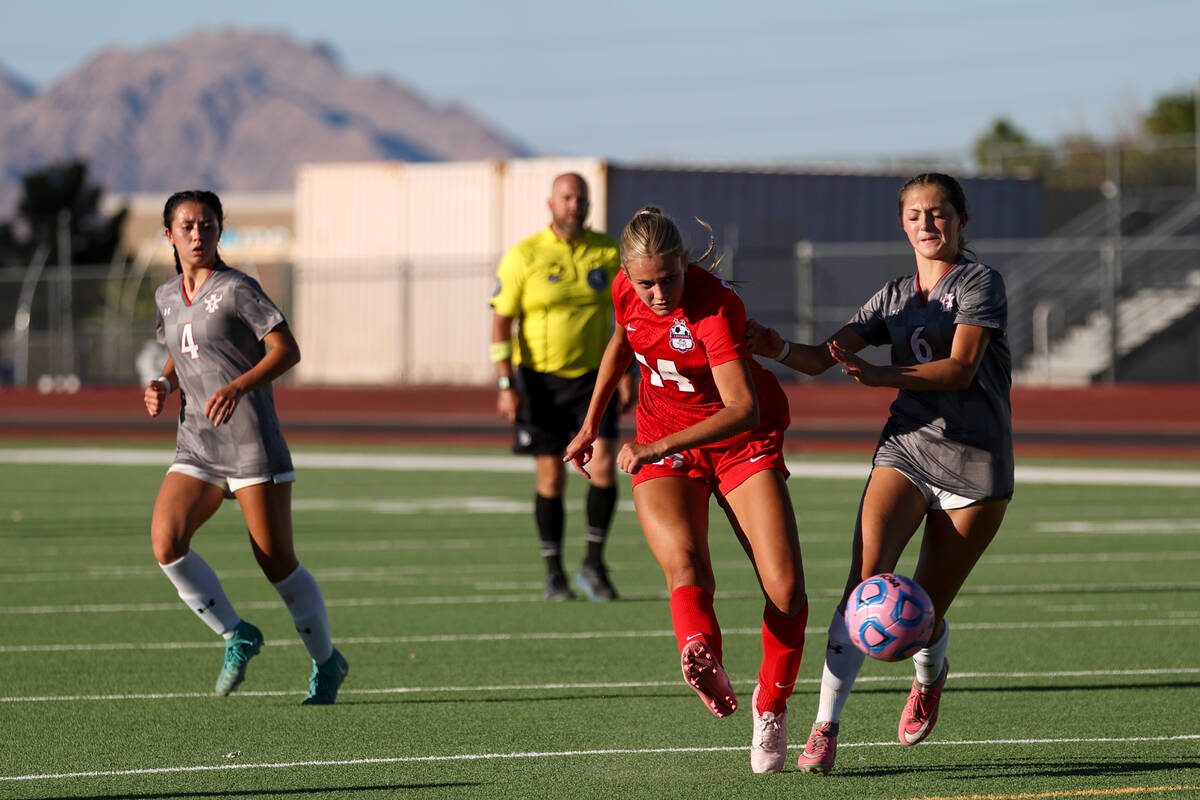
(45, 194)
(48, 196)
(1080, 162)
(1172, 115)
(1006, 148)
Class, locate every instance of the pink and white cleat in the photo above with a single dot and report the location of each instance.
(819, 750)
(704, 673)
(768, 741)
(921, 710)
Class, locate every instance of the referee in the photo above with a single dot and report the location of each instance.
(557, 286)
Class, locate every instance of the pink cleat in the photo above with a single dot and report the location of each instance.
(819, 750)
(921, 710)
(768, 741)
(704, 673)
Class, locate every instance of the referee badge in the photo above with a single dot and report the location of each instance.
(681, 337)
(597, 278)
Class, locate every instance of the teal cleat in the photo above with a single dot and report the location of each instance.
(326, 680)
(245, 643)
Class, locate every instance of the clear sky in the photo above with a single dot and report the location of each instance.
(704, 80)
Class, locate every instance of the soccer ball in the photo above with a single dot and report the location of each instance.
(890, 617)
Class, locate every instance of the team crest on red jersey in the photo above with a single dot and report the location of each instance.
(212, 303)
(948, 301)
(674, 461)
(680, 337)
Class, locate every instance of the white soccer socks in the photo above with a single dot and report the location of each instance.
(842, 662)
(928, 660)
(304, 600)
(200, 588)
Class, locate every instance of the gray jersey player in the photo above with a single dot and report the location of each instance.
(213, 338)
(945, 455)
(959, 441)
(226, 343)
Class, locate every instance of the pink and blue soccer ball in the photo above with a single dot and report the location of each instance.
(889, 617)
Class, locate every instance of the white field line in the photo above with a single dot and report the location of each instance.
(428, 505)
(1192, 619)
(534, 595)
(621, 751)
(1089, 558)
(402, 575)
(1122, 526)
(549, 687)
(439, 463)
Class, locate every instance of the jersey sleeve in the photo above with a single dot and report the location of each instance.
(506, 297)
(869, 322)
(620, 290)
(160, 329)
(723, 330)
(256, 309)
(983, 302)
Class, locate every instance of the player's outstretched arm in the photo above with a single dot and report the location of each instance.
(806, 358)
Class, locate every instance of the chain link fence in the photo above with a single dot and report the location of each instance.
(1114, 295)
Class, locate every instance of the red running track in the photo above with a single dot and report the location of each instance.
(1130, 420)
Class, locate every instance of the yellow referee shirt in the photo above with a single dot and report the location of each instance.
(561, 293)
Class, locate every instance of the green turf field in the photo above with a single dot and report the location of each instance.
(1075, 668)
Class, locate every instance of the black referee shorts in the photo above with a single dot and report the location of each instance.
(552, 408)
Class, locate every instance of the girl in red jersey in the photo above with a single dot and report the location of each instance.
(710, 422)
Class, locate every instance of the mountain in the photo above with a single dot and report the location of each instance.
(13, 91)
(227, 110)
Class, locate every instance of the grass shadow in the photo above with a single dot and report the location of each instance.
(324, 791)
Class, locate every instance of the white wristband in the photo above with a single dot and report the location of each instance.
(164, 383)
(784, 351)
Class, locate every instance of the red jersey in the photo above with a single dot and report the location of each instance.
(677, 353)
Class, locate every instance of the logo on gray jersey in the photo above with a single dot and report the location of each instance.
(948, 301)
(213, 302)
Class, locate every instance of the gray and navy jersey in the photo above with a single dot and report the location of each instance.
(213, 339)
(960, 441)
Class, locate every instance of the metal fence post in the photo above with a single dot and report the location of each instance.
(1041, 335)
(24, 315)
(64, 308)
(1196, 130)
(1108, 260)
(805, 319)
(1110, 256)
